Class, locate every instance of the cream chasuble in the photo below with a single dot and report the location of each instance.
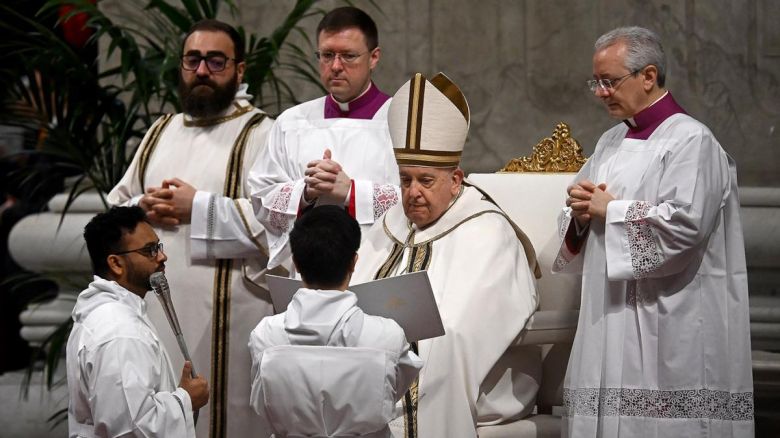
(479, 269)
(216, 304)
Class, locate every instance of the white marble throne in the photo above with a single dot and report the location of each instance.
(532, 191)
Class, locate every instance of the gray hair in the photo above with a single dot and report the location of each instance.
(643, 48)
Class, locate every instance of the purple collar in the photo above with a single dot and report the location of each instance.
(364, 107)
(651, 117)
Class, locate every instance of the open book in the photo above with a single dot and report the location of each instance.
(407, 299)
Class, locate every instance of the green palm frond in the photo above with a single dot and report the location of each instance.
(83, 119)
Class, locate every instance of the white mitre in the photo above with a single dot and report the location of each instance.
(429, 122)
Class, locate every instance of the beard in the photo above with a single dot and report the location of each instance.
(205, 98)
(139, 279)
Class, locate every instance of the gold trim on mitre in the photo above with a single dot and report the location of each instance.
(453, 93)
(441, 159)
(414, 122)
(428, 127)
(559, 153)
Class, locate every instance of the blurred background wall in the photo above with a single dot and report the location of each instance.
(522, 65)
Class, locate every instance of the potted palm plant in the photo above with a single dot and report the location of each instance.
(83, 118)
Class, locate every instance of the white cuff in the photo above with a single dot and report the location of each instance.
(184, 397)
(364, 201)
(617, 250)
(132, 202)
(199, 225)
(200, 207)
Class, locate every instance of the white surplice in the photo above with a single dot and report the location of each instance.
(663, 343)
(199, 155)
(300, 135)
(325, 368)
(120, 380)
(485, 292)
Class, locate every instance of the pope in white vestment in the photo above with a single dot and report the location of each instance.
(357, 136)
(215, 279)
(481, 267)
(346, 379)
(120, 378)
(663, 343)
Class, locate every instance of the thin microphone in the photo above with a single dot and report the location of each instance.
(160, 285)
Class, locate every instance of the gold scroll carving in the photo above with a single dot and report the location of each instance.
(559, 153)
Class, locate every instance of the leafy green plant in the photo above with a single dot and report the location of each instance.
(83, 120)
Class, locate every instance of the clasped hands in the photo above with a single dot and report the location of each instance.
(169, 204)
(326, 181)
(588, 200)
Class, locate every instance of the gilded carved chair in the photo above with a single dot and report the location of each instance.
(532, 190)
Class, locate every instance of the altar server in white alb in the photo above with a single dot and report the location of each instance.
(652, 224)
(323, 367)
(189, 175)
(480, 264)
(120, 378)
(331, 150)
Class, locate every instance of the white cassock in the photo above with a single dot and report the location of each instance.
(215, 278)
(325, 368)
(300, 135)
(663, 344)
(485, 292)
(120, 380)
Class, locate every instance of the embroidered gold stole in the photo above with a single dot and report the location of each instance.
(220, 324)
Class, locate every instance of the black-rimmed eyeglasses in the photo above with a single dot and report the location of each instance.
(151, 250)
(214, 62)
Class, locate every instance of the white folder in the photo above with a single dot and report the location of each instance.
(407, 299)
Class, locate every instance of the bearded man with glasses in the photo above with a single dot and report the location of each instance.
(652, 224)
(186, 165)
(334, 150)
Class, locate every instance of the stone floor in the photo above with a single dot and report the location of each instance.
(27, 417)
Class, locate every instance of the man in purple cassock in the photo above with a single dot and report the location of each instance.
(332, 150)
(652, 224)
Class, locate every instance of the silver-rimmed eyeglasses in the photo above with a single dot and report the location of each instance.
(214, 62)
(150, 250)
(608, 84)
(345, 58)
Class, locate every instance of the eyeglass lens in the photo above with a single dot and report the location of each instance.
(345, 58)
(215, 63)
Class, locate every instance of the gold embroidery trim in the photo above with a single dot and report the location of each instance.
(220, 331)
(235, 164)
(148, 147)
(452, 93)
(240, 111)
(419, 260)
(427, 159)
(392, 260)
(221, 295)
(414, 122)
(411, 399)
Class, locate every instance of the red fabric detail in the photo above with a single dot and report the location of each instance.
(573, 242)
(385, 197)
(351, 206)
(74, 28)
